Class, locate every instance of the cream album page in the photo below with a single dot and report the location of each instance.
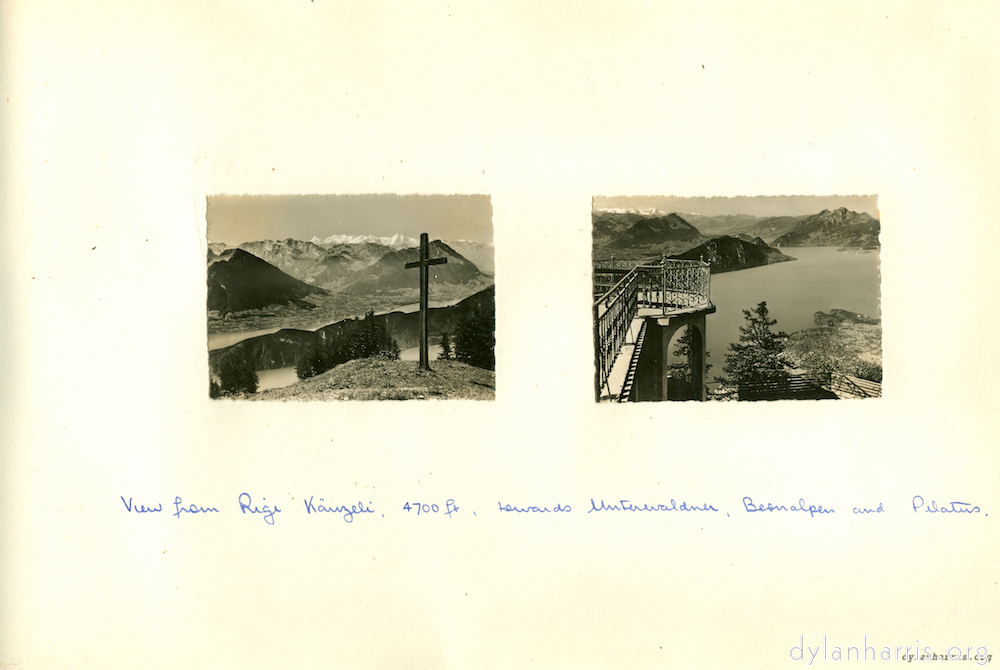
(451, 335)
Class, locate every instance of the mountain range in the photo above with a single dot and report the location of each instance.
(628, 230)
(480, 253)
(327, 266)
(725, 254)
(238, 280)
(284, 272)
(729, 242)
(389, 272)
(639, 233)
(397, 241)
(334, 265)
(839, 228)
(766, 228)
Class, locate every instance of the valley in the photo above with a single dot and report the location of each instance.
(323, 284)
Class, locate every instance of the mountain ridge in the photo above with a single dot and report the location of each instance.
(728, 254)
(629, 233)
(840, 228)
(390, 273)
(238, 280)
(336, 265)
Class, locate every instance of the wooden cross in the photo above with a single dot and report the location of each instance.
(424, 264)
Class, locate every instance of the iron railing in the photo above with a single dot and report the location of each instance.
(685, 284)
(613, 315)
(622, 286)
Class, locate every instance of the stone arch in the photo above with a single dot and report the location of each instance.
(654, 376)
(687, 383)
(684, 354)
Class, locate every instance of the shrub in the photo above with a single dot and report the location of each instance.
(870, 371)
(446, 354)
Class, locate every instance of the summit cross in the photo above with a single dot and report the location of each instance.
(424, 264)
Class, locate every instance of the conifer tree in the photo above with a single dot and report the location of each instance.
(756, 359)
(475, 340)
(363, 339)
(237, 376)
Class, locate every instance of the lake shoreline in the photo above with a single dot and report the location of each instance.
(823, 279)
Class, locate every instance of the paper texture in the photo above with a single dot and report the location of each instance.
(119, 119)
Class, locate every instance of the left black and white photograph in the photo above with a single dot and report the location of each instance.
(351, 297)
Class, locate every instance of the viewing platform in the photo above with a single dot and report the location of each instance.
(639, 306)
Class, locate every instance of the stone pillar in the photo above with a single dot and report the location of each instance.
(647, 377)
(666, 333)
(698, 371)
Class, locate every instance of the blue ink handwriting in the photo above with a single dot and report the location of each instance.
(534, 510)
(191, 509)
(253, 509)
(962, 507)
(140, 509)
(865, 510)
(425, 508)
(348, 512)
(812, 509)
(627, 506)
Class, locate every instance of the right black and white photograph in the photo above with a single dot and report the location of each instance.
(736, 298)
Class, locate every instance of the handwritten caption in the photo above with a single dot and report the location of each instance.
(349, 512)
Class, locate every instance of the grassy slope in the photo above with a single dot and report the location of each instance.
(383, 379)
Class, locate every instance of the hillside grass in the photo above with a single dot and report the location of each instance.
(386, 379)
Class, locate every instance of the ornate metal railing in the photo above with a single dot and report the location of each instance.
(623, 286)
(685, 283)
(613, 315)
(609, 271)
(625, 263)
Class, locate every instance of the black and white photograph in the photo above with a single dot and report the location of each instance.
(743, 298)
(351, 297)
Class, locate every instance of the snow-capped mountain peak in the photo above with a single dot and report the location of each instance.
(398, 241)
(648, 211)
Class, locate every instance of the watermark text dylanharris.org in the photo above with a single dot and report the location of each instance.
(869, 652)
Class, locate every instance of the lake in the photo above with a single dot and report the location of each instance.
(223, 340)
(278, 377)
(822, 279)
(413, 354)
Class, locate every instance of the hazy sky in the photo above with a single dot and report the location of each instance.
(234, 219)
(765, 205)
